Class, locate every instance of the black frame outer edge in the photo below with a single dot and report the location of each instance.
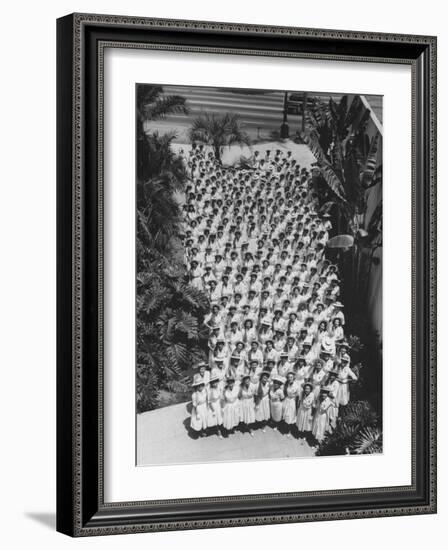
(64, 106)
(96, 518)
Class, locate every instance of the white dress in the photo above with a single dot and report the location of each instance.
(262, 408)
(247, 404)
(338, 333)
(231, 412)
(263, 337)
(276, 397)
(334, 388)
(345, 374)
(305, 413)
(214, 410)
(234, 337)
(317, 380)
(196, 278)
(301, 376)
(282, 369)
(249, 336)
(322, 418)
(271, 355)
(289, 414)
(199, 410)
(218, 372)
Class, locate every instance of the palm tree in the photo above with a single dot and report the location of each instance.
(347, 158)
(152, 104)
(218, 131)
(169, 312)
(160, 172)
(159, 215)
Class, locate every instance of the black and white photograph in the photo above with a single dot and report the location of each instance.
(220, 254)
(259, 274)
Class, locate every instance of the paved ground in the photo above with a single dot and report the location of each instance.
(163, 438)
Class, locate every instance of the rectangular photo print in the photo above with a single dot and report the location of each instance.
(258, 274)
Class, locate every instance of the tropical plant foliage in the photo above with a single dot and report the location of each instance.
(170, 333)
(170, 330)
(218, 131)
(348, 160)
(152, 104)
(348, 168)
(358, 431)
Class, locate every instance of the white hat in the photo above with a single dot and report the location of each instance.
(197, 380)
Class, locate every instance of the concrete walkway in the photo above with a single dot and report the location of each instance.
(163, 438)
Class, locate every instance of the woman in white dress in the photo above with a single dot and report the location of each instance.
(279, 340)
(249, 333)
(203, 374)
(265, 333)
(231, 412)
(247, 403)
(276, 397)
(293, 349)
(270, 352)
(198, 421)
(302, 372)
(345, 376)
(337, 330)
(240, 351)
(324, 420)
(283, 365)
(233, 369)
(219, 371)
(296, 298)
(196, 274)
(317, 378)
(333, 385)
(321, 333)
(255, 353)
(234, 335)
(307, 352)
(214, 410)
(342, 348)
(291, 392)
(220, 352)
(270, 367)
(262, 405)
(294, 325)
(305, 412)
(255, 370)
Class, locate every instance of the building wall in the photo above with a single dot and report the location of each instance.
(374, 197)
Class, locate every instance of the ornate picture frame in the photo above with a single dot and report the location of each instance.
(81, 41)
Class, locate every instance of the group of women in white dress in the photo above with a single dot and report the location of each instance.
(277, 352)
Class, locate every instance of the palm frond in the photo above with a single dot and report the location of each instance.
(376, 219)
(326, 170)
(333, 182)
(186, 323)
(368, 170)
(218, 130)
(368, 441)
(163, 106)
(359, 413)
(326, 207)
